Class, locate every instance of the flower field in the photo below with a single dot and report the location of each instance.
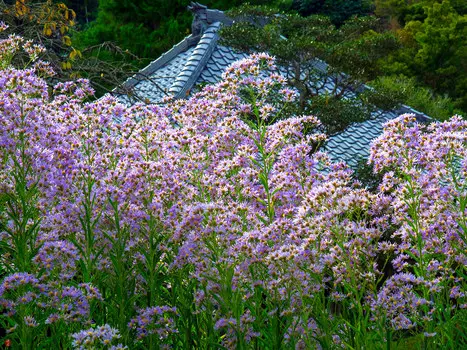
(213, 222)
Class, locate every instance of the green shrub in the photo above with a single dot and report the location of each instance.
(417, 97)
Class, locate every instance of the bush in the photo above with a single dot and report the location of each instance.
(404, 89)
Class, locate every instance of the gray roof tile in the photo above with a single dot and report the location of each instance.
(221, 58)
(354, 143)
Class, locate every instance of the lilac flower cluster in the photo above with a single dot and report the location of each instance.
(156, 320)
(426, 180)
(15, 45)
(222, 212)
(18, 290)
(100, 337)
(58, 259)
(68, 303)
(24, 298)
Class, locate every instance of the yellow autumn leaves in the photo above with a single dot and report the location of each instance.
(56, 21)
(72, 56)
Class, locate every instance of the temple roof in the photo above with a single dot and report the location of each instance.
(199, 58)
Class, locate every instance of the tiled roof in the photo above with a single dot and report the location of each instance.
(200, 59)
(221, 58)
(353, 143)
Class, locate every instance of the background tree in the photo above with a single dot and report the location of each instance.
(326, 65)
(52, 25)
(86, 10)
(394, 89)
(406, 11)
(48, 24)
(337, 10)
(441, 57)
(434, 44)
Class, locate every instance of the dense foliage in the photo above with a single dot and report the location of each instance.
(86, 10)
(434, 37)
(197, 225)
(337, 10)
(391, 90)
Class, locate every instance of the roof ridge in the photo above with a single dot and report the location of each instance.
(197, 61)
